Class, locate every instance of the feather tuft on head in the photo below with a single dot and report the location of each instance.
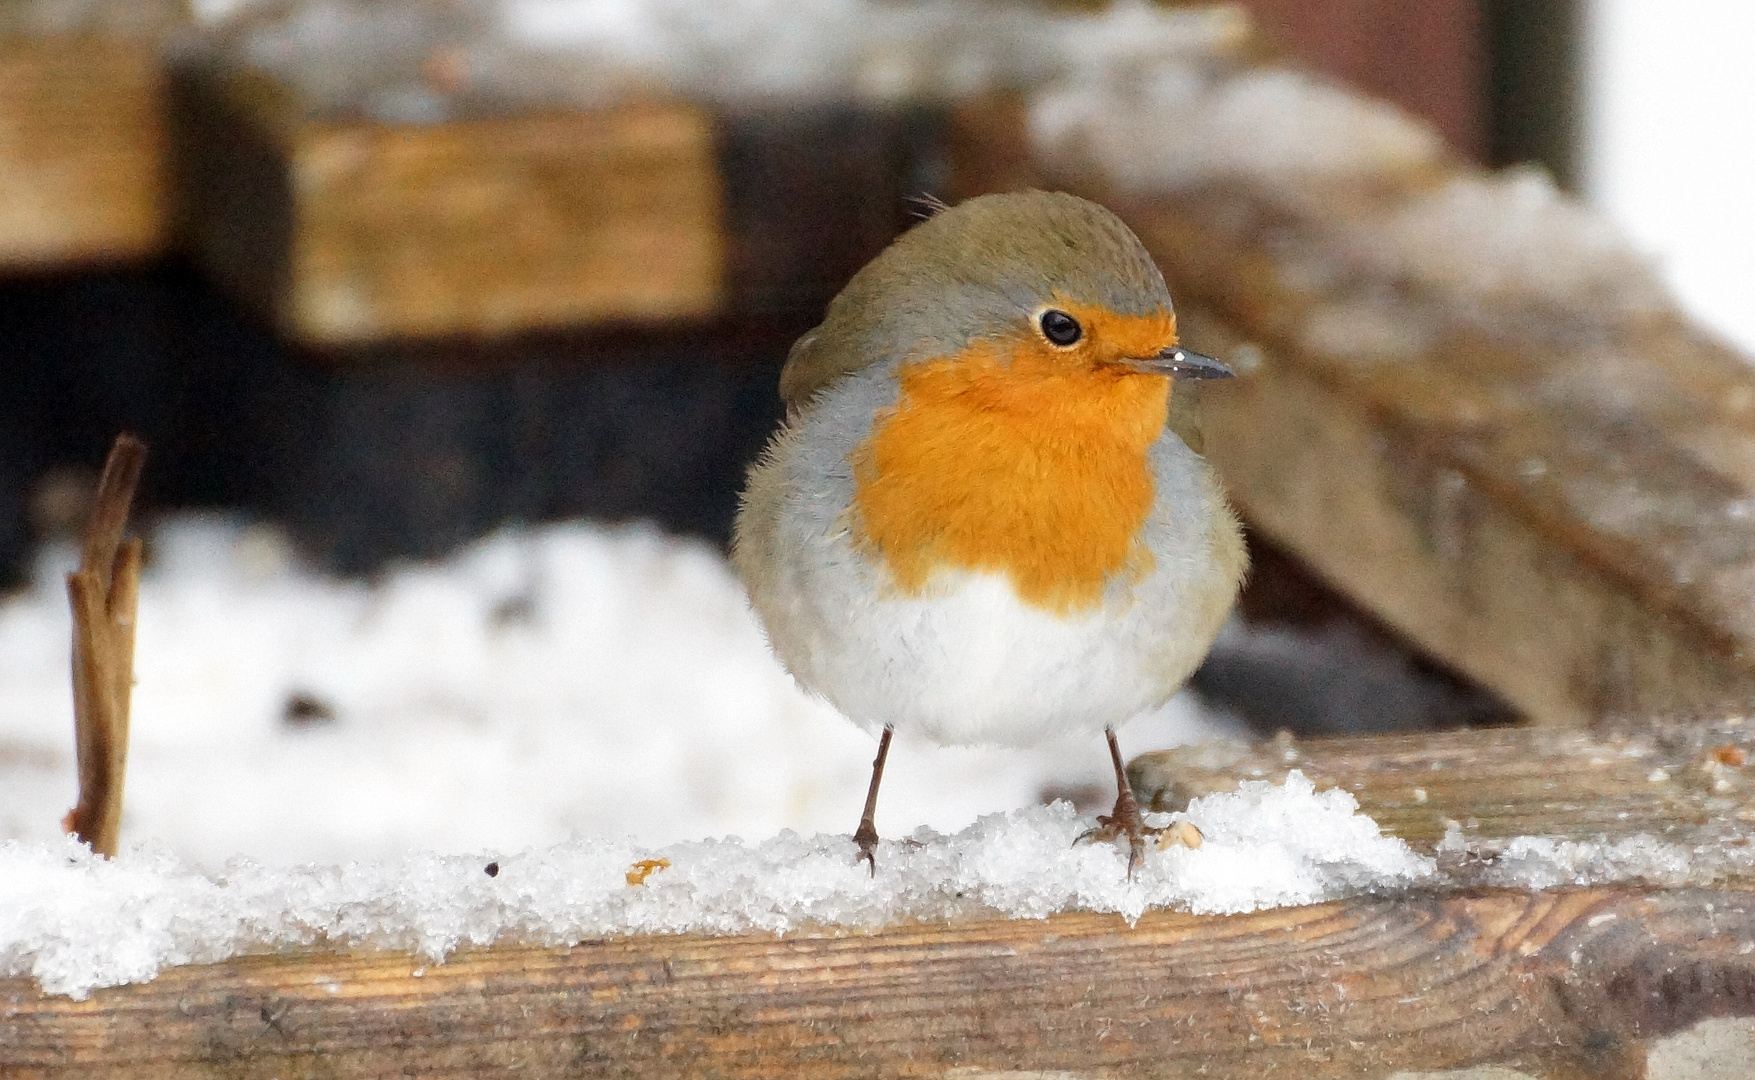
(927, 205)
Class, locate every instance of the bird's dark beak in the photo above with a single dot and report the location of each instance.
(1180, 363)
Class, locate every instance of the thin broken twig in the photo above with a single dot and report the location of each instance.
(104, 594)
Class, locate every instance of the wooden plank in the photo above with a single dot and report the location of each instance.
(348, 231)
(497, 225)
(82, 177)
(1569, 982)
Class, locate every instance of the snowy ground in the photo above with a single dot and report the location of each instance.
(569, 681)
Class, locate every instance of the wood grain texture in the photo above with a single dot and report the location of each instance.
(82, 149)
(1569, 983)
(497, 225)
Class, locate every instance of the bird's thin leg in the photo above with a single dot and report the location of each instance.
(867, 836)
(1126, 815)
(1125, 819)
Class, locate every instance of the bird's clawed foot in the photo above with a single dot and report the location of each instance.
(1126, 820)
(867, 839)
(1123, 821)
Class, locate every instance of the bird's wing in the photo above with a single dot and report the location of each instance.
(1184, 417)
(815, 361)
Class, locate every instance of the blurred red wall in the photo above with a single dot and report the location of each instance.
(1427, 56)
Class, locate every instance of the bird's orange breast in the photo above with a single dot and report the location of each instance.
(1007, 459)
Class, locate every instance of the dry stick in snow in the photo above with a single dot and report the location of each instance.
(103, 592)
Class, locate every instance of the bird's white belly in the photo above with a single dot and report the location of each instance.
(968, 662)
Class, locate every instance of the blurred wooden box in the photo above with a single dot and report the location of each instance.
(349, 231)
(81, 150)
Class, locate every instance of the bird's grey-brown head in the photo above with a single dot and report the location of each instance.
(987, 269)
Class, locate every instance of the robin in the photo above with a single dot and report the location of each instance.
(976, 523)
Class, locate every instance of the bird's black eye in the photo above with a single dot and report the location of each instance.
(1059, 327)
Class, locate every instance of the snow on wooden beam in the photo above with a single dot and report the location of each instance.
(1572, 981)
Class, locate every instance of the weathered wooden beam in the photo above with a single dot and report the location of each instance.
(1567, 980)
(1688, 785)
(344, 230)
